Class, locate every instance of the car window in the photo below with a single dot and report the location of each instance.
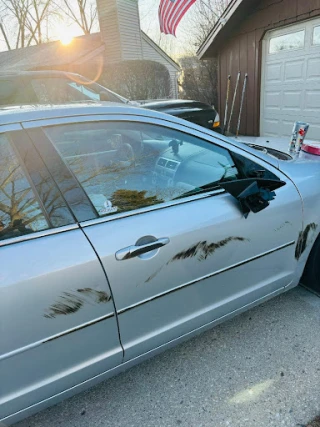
(55, 206)
(57, 90)
(126, 166)
(15, 92)
(20, 211)
(63, 90)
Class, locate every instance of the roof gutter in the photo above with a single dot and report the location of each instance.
(222, 21)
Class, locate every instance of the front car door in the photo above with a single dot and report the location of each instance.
(177, 249)
(57, 320)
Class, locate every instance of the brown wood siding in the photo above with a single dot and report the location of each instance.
(242, 52)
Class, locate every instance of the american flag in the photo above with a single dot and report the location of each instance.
(171, 12)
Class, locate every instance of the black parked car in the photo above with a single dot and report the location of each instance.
(59, 87)
(193, 111)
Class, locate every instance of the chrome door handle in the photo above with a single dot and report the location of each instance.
(133, 251)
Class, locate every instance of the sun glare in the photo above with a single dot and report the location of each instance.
(65, 37)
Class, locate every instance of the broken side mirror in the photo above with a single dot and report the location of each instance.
(254, 195)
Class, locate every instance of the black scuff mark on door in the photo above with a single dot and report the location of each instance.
(303, 239)
(155, 274)
(286, 223)
(100, 296)
(70, 302)
(67, 304)
(202, 250)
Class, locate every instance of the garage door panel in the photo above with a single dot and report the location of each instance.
(274, 73)
(314, 131)
(287, 125)
(294, 70)
(292, 100)
(313, 68)
(273, 100)
(312, 101)
(272, 127)
(290, 83)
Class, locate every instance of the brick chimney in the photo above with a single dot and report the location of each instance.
(120, 29)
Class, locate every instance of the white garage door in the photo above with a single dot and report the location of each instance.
(291, 79)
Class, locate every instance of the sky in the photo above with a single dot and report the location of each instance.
(175, 46)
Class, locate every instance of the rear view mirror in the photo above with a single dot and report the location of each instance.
(254, 195)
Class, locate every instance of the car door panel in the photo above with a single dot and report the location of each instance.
(216, 261)
(57, 317)
(60, 326)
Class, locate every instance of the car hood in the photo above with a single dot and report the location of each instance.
(281, 145)
(297, 167)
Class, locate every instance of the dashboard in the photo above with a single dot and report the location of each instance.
(191, 166)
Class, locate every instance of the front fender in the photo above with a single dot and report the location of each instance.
(304, 172)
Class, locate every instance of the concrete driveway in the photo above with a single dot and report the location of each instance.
(260, 369)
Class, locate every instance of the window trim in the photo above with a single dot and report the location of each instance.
(147, 209)
(29, 145)
(38, 234)
(37, 197)
(40, 135)
(28, 177)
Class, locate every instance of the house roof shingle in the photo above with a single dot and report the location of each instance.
(49, 54)
(54, 54)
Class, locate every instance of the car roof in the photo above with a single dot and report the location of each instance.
(27, 113)
(23, 114)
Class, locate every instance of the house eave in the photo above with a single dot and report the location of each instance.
(232, 15)
(168, 58)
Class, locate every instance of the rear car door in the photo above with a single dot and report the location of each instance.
(57, 318)
(177, 255)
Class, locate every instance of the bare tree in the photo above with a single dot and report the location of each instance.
(81, 12)
(137, 79)
(4, 33)
(205, 14)
(198, 79)
(25, 21)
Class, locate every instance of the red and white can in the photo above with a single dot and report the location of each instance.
(299, 133)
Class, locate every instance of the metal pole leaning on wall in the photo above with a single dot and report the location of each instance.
(234, 100)
(241, 102)
(227, 105)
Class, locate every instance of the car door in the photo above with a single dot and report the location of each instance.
(57, 318)
(178, 250)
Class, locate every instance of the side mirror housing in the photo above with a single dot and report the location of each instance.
(254, 195)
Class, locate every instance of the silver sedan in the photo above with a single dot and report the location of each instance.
(125, 231)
